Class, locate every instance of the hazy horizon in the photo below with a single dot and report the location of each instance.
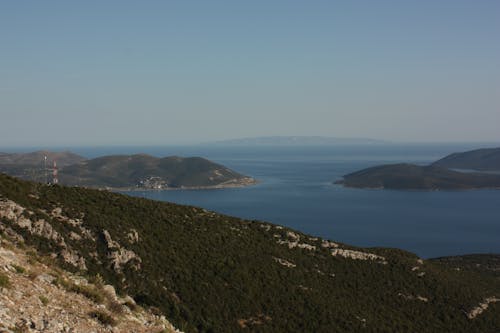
(169, 73)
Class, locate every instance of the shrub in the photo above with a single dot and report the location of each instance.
(86, 290)
(19, 269)
(103, 317)
(43, 299)
(4, 281)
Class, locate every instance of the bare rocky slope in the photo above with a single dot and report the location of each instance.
(207, 272)
(38, 296)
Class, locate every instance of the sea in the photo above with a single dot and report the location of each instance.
(296, 189)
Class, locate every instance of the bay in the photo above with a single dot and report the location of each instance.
(296, 190)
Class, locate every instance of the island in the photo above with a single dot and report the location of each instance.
(122, 172)
(445, 174)
(293, 141)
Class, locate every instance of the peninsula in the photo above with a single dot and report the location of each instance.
(123, 172)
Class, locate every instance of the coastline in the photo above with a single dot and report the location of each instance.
(248, 181)
(422, 189)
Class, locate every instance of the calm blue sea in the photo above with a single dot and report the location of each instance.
(296, 190)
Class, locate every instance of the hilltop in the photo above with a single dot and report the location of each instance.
(479, 159)
(442, 174)
(126, 172)
(208, 272)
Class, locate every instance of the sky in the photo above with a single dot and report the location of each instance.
(173, 72)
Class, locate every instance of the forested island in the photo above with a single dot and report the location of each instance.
(454, 172)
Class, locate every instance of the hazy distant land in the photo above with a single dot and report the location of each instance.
(297, 141)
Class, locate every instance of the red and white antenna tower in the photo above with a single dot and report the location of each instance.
(55, 180)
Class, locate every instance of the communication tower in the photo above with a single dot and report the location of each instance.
(55, 180)
(45, 168)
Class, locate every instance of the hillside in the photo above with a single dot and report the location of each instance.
(208, 272)
(479, 159)
(410, 176)
(145, 171)
(138, 171)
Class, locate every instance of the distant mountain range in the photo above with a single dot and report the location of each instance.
(297, 141)
(441, 174)
(138, 171)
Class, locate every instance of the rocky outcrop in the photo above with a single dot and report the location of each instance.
(293, 240)
(16, 214)
(481, 307)
(358, 255)
(328, 245)
(56, 213)
(133, 236)
(73, 258)
(120, 256)
(284, 262)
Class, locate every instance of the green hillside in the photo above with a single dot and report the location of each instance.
(208, 272)
(143, 170)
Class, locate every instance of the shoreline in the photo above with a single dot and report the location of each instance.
(249, 182)
(416, 189)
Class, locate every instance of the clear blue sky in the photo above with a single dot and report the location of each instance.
(169, 72)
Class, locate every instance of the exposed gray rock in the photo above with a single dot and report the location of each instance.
(358, 255)
(119, 255)
(42, 228)
(482, 307)
(133, 236)
(284, 262)
(71, 257)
